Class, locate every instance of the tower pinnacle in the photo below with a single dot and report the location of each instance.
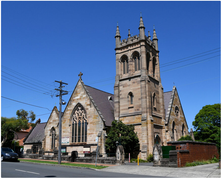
(154, 34)
(117, 32)
(141, 23)
(129, 33)
(155, 39)
(141, 29)
(117, 37)
(149, 35)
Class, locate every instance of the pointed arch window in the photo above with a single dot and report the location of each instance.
(173, 131)
(157, 140)
(154, 67)
(53, 134)
(79, 125)
(147, 60)
(136, 59)
(124, 62)
(154, 99)
(183, 130)
(131, 98)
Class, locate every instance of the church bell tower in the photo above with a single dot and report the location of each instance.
(138, 92)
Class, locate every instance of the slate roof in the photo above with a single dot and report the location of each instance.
(167, 99)
(106, 107)
(36, 135)
(104, 102)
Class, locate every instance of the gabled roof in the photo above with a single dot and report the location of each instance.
(36, 135)
(168, 102)
(56, 111)
(103, 102)
(25, 130)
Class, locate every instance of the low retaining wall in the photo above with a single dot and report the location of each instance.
(189, 151)
(105, 160)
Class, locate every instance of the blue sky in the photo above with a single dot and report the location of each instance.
(46, 41)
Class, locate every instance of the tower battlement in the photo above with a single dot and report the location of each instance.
(137, 38)
(134, 39)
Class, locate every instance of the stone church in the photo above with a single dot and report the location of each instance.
(138, 100)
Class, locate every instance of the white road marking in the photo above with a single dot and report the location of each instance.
(26, 171)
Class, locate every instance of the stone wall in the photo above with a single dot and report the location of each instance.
(26, 147)
(95, 123)
(52, 123)
(127, 86)
(189, 151)
(178, 119)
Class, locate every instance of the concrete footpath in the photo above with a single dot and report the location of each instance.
(207, 170)
(202, 171)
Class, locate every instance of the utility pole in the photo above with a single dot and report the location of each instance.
(61, 92)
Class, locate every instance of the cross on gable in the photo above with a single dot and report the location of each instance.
(80, 74)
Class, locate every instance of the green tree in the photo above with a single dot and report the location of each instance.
(124, 135)
(187, 137)
(207, 124)
(22, 114)
(8, 125)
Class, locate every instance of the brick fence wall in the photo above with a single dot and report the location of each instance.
(189, 151)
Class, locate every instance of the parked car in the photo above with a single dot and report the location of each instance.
(8, 154)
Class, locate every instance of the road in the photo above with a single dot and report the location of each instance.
(21, 169)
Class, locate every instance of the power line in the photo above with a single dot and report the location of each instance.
(180, 61)
(25, 81)
(210, 58)
(20, 74)
(198, 82)
(163, 65)
(175, 61)
(24, 84)
(43, 90)
(191, 63)
(43, 114)
(192, 56)
(25, 103)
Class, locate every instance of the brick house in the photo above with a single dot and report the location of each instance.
(20, 135)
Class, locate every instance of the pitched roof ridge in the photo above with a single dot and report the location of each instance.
(42, 123)
(167, 91)
(56, 111)
(99, 90)
(170, 105)
(29, 133)
(92, 100)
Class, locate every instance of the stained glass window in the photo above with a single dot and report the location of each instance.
(79, 125)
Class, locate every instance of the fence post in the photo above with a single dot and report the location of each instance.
(138, 160)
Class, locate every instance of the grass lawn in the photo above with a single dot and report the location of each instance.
(196, 163)
(65, 164)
